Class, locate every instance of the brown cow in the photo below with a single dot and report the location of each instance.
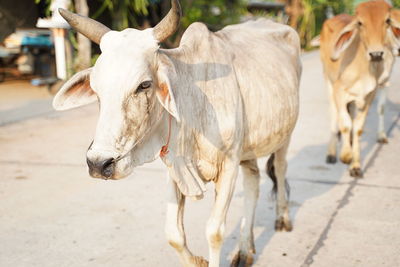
(357, 55)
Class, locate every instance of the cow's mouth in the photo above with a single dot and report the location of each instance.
(106, 165)
(110, 169)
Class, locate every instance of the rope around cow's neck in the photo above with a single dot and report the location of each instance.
(164, 149)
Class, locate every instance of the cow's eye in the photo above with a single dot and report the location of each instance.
(144, 85)
(359, 23)
(388, 21)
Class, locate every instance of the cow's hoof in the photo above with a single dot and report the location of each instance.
(331, 159)
(199, 261)
(356, 172)
(281, 224)
(242, 260)
(382, 140)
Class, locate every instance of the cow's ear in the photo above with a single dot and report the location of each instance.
(75, 92)
(344, 39)
(165, 76)
(395, 29)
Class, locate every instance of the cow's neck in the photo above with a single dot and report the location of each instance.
(375, 69)
(149, 149)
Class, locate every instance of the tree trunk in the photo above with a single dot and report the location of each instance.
(297, 11)
(84, 44)
(294, 9)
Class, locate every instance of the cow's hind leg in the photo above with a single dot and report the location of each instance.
(224, 188)
(174, 227)
(382, 138)
(251, 186)
(276, 170)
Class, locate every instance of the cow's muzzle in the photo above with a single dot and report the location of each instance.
(376, 56)
(101, 168)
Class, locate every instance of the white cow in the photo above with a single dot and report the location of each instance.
(218, 101)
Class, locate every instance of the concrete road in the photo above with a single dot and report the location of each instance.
(53, 214)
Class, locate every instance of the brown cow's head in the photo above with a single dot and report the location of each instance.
(375, 26)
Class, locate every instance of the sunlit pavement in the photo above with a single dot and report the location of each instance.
(53, 214)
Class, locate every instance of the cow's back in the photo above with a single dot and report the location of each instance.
(267, 67)
(242, 83)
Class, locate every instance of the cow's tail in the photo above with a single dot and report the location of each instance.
(271, 173)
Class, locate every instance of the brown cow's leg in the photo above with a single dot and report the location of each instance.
(382, 138)
(358, 125)
(345, 125)
(334, 136)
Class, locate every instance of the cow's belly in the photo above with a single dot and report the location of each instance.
(270, 122)
(264, 137)
(259, 144)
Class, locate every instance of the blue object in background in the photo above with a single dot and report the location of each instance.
(41, 40)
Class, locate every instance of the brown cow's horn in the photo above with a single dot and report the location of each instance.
(89, 27)
(169, 24)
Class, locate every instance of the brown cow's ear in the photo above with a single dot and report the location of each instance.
(394, 39)
(394, 30)
(344, 39)
(395, 18)
(165, 74)
(75, 92)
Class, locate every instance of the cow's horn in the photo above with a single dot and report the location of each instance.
(89, 27)
(169, 24)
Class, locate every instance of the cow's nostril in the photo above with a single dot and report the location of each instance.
(108, 168)
(376, 56)
(105, 168)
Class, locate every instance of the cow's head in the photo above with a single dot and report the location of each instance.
(375, 26)
(131, 82)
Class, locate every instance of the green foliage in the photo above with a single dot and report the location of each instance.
(123, 12)
(315, 13)
(396, 3)
(46, 4)
(215, 13)
(134, 13)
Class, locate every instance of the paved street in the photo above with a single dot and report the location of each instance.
(53, 214)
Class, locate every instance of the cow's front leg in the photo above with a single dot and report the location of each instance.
(358, 125)
(174, 227)
(224, 189)
(382, 138)
(334, 135)
(345, 127)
